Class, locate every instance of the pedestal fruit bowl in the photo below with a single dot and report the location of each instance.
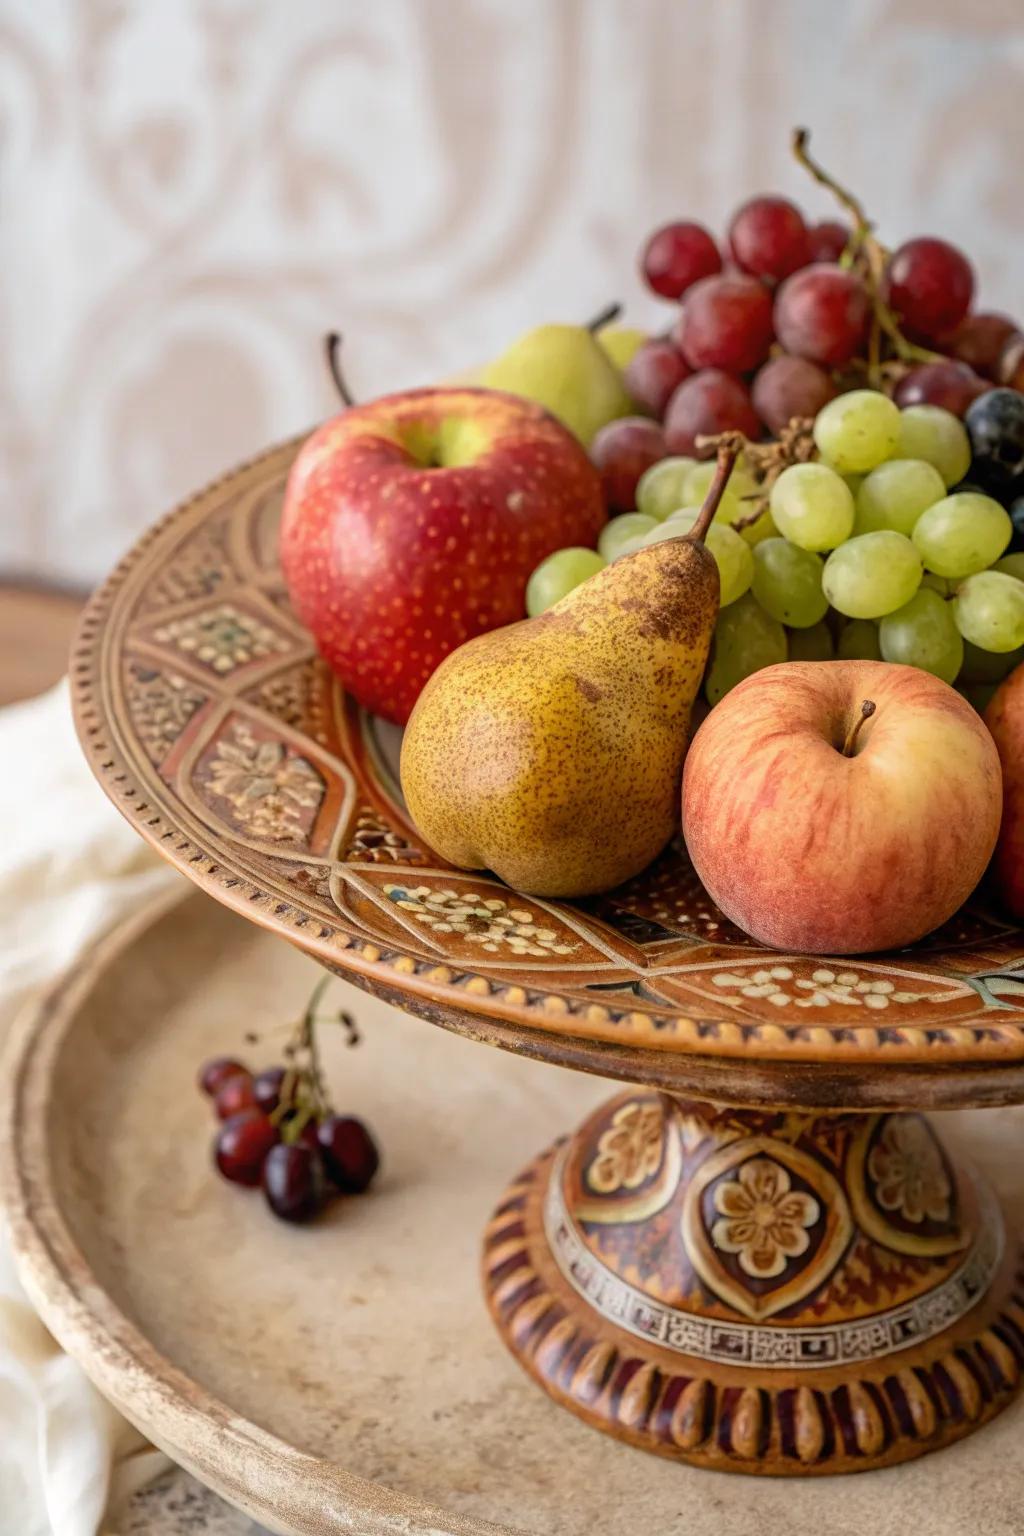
(758, 1255)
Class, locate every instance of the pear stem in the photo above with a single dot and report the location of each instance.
(867, 709)
(727, 456)
(332, 349)
(603, 317)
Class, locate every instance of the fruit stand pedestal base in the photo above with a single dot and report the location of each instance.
(761, 1292)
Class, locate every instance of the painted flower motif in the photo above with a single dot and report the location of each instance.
(487, 921)
(629, 1150)
(374, 842)
(777, 985)
(908, 1171)
(222, 638)
(762, 1218)
(162, 704)
(272, 793)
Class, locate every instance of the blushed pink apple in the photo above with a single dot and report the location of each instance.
(839, 807)
(1005, 719)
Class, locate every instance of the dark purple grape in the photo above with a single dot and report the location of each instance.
(706, 403)
(653, 373)
(309, 1136)
(1011, 362)
(235, 1095)
(214, 1074)
(266, 1087)
(979, 340)
(995, 425)
(241, 1146)
(349, 1151)
(1017, 519)
(790, 386)
(294, 1181)
(620, 453)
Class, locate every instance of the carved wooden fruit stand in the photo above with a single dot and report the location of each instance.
(757, 1257)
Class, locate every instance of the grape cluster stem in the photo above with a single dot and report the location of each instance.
(866, 253)
(304, 1095)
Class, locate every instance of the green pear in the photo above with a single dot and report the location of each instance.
(551, 751)
(622, 343)
(566, 369)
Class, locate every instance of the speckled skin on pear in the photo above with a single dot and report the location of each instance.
(551, 751)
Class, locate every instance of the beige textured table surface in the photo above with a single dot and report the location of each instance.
(365, 1338)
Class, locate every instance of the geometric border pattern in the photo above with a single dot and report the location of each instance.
(735, 1343)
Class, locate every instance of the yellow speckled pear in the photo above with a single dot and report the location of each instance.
(551, 751)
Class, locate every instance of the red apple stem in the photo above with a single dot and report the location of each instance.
(332, 348)
(603, 317)
(867, 709)
(728, 452)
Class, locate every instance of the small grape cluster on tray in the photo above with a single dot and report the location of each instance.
(877, 505)
(279, 1131)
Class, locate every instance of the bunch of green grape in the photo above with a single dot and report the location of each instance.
(866, 552)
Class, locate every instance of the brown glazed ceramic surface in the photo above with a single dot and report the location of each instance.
(771, 1293)
(346, 1377)
(214, 728)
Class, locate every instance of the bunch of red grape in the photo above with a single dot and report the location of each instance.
(788, 314)
(272, 1136)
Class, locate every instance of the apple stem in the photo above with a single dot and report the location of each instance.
(332, 347)
(867, 709)
(603, 317)
(728, 452)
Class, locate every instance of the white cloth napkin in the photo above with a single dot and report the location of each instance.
(69, 866)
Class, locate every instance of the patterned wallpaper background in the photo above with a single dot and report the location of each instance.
(191, 191)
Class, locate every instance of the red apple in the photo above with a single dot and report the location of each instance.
(413, 523)
(1005, 719)
(818, 824)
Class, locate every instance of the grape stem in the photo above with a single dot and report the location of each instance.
(332, 350)
(864, 249)
(603, 317)
(728, 452)
(304, 1096)
(794, 445)
(862, 225)
(867, 709)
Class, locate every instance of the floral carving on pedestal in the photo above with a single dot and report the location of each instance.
(908, 1171)
(763, 1220)
(903, 1192)
(629, 1151)
(274, 794)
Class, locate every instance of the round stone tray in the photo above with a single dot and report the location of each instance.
(345, 1377)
